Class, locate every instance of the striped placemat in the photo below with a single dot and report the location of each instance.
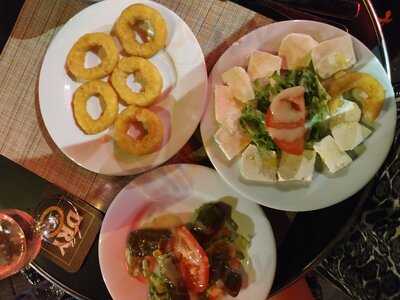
(23, 137)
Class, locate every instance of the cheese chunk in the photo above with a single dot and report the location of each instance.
(349, 111)
(333, 55)
(253, 167)
(349, 135)
(297, 167)
(334, 158)
(295, 48)
(231, 144)
(227, 108)
(239, 82)
(263, 65)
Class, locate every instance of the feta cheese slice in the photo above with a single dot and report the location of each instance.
(349, 135)
(231, 144)
(253, 167)
(334, 158)
(295, 48)
(227, 108)
(349, 111)
(333, 55)
(297, 167)
(239, 82)
(263, 65)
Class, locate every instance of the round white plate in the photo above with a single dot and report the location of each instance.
(185, 83)
(178, 189)
(325, 189)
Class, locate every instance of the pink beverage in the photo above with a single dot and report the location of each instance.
(19, 241)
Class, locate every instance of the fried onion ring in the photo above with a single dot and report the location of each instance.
(124, 30)
(145, 73)
(152, 125)
(109, 103)
(100, 43)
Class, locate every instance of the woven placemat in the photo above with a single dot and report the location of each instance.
(23, 137)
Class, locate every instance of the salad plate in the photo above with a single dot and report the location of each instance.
(178, 190)
(332, 181)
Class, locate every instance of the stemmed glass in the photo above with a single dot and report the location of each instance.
(21, 236)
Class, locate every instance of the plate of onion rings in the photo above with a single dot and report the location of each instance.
(122, 86)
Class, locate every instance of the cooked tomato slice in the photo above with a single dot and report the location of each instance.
(287, 109)
(193, 260)
(270, 122)
(295, 147)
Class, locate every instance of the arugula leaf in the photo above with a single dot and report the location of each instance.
(252, 121)
(262, 95)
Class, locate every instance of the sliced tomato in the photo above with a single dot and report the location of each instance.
(270, 122)
(287, 109)
(193, 260)
(295, 147)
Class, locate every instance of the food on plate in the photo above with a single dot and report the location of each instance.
(288, 110)
(145, 73)
(334, 158)
(255, 167)
(297, 167)
(239, 82)
(349, 135)
(227, 108)
(206, 258)
(346, 111)
(141, 144)
(231, 143)
(295, 50)
(145, 20)
(366, 90)
(263, 65)
(333, 55)
(104, 46)
(109, 103)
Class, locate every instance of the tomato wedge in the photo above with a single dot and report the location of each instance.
(271, 122)
(285, 120)
(295, 147)
(193, 260)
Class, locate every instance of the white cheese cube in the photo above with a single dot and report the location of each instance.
(334, 158)
(349, 135)
(253, 167)
(333, 55)
(227, 108)
(239, 82)
(231, 144)
(263, 65)
(349, 111)
(295, 48)
(297, 167)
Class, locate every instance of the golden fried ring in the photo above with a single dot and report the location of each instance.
(100, 43)
(130, 17)
(152, 124)
(145, 73)
(108, 100)
(375, 94)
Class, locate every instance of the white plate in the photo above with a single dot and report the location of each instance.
(182, 67)
(325, 189)
(177, 189)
